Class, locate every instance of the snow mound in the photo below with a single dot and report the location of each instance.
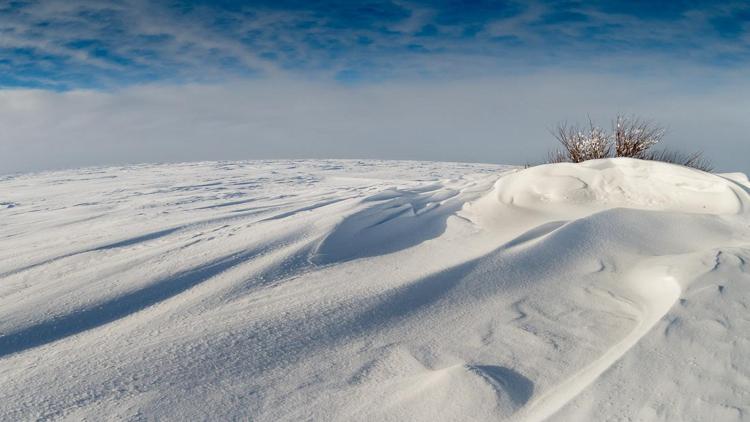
(620, 183)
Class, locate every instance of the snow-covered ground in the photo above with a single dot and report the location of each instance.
(375, 290)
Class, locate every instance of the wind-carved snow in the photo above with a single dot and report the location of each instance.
(375, 290)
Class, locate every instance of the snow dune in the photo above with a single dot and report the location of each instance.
(375, 290)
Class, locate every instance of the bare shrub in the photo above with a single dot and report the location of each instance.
(633, 137)
(581, 144)
(695, 160)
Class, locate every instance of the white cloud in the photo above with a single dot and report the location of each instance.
(502, 119)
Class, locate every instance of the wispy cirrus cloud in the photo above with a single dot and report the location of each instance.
(109, 43)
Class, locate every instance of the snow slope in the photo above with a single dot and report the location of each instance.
(372, 290)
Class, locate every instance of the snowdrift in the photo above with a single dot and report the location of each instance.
(363, 290)
(619, 183)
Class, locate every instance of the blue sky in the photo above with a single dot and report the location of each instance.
(105, 44)
(64, 56)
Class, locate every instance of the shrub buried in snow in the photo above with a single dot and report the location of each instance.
(695, 160)
(631, 137)
(581, 145)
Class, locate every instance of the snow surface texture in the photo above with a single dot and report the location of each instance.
(365, 290)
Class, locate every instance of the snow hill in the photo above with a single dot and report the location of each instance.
(343, 290)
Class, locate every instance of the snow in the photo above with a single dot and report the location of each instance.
(613, 289)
